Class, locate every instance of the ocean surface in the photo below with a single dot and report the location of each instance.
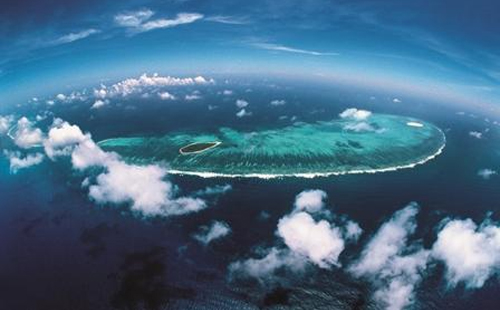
(59, 250)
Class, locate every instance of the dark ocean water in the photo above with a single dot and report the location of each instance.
(58, 250)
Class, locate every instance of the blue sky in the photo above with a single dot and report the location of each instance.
(451, 47)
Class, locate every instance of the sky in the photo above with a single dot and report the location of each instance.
(449, 47)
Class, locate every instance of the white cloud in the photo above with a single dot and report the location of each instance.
(18, 162)
(75, 36)
(359, 127)
(396, 100)
(144, 188)
(476, 134)
(231, 20)
(393, 267)
(227, 92)
(26, 135)
(278, 102)
(310, 200)
(166, 96)
(319, 241)
(88, 154)
(358, 120)
(180, 19)
(216, 230)
(355, 114)
(140, 21)
(214, 190)
(62, 138)
(194, 96)
(61, 97)
(240, 103)
(471, 254)
(5, 123)
(100, 93)
(265, 267)
(283, 48)
(133, 19)
(99, 104)
(242, 113)
(486, 173)
(352, 231)
(307, 240)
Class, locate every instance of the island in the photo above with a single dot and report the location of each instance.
(302, 149)
(198, 147)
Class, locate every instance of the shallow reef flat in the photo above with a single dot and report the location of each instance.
(340, 146)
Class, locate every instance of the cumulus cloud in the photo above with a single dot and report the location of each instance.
(140, 21)
(278, 102)
(396, 100)
(227, 92)
(486, 173)
(359, 127)
(352, 231)
(75, 36)
(319, 241)
(393, 267)
(470, 253)
(99, 104)
(62, 138)
(215, 231)
(243, 113)
(357, 120)
(308, 238)
(5, 123)
(310, 200)
(166, 96)
(355, 114)
(18, 162)
(88, 154)
(144, 188)
(476, 134)
(26, 135)
(241, 103)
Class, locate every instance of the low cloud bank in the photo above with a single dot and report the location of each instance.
(145, 86)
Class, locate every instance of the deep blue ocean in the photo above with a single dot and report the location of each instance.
(59, 250)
